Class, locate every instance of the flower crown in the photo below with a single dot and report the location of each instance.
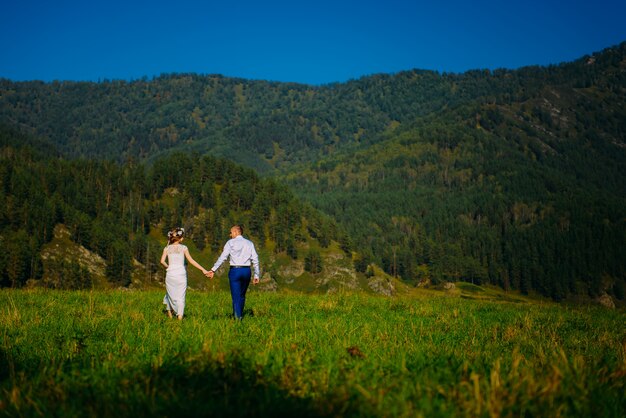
(178, 232)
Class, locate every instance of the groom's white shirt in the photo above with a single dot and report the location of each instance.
(241, 252)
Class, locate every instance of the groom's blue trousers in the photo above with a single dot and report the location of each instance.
(239, 280)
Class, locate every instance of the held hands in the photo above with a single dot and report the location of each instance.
(211, 273)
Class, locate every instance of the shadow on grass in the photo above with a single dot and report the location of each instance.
(223, 385)
(227, 388)
(247, 313)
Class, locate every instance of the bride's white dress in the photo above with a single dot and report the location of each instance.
(175, 279)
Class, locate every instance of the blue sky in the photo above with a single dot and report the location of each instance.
(308, 42)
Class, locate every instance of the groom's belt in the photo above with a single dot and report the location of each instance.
(238, 267)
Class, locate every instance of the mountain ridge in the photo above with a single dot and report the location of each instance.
(249, 120)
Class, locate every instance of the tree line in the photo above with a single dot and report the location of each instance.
(110, 209)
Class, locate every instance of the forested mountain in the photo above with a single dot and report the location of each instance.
(510, 177)
(121, 211)
(524, 189)
(263, 124)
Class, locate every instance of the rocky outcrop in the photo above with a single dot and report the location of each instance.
(381, 286)
(63, 248)
(605, 300)
(424, 282)
(449, 286)
(267, 283)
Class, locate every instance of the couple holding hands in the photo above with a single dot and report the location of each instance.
(243, 257)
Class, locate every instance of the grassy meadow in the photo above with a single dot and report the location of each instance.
(115, 353)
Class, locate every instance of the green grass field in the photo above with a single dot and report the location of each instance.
(114, 353)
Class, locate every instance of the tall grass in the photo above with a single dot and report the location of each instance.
(116, 354)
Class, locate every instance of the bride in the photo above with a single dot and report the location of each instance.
(176, 276)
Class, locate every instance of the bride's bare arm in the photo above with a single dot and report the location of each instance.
(163, 257)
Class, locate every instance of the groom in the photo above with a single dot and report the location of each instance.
(242, 254)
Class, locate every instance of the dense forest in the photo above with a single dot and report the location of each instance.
(449, 201)
(110, 209)
(508, 177)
